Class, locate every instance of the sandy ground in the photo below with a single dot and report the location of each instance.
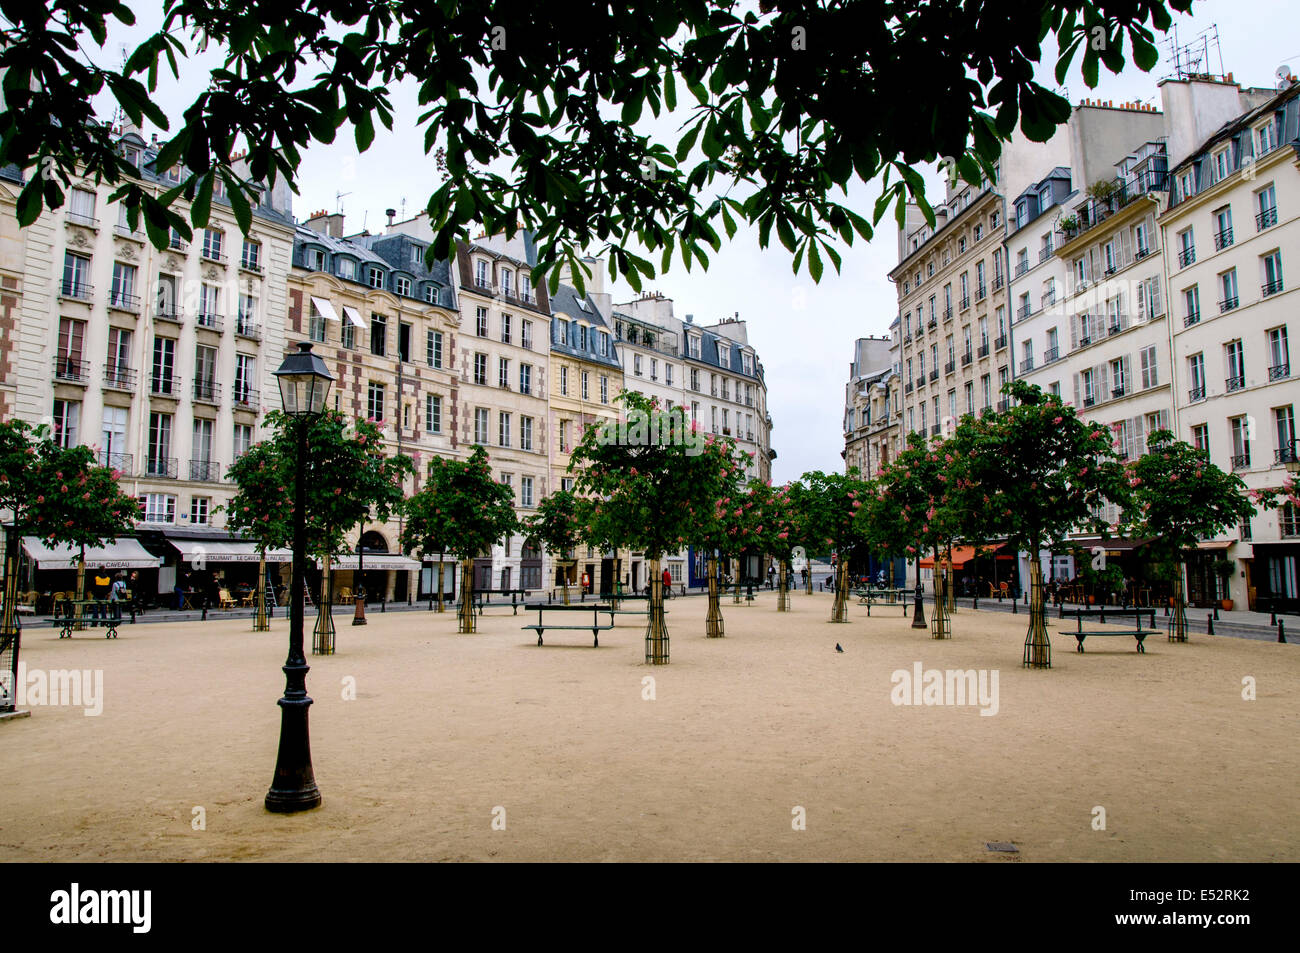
(742, 731)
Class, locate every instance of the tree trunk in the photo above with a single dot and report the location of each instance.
(736, 594)
(940, 620)
(948, 586)
(617, 588)
(438, 583)
(918, 599)
(713, 621)
(9, 635)
(81, 588)
(1038, 647)
(840, 607)
(564, 583)
(322, 639)
(465, 616)
(1178, 627)
(260, 623)
(782, 587)
(656, 631)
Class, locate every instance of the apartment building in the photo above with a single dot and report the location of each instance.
(157, 359)
(503, 363)
(386, 325)
(1231, 230)
(868, 411)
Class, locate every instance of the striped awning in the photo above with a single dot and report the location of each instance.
(125, 553)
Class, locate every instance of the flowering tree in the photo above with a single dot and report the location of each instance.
(726, 527)
(347, 477)
(1032, 474)
(911, 513)
(463, 511)
(60, 495)
(1178, 497)
(555, 526)
(830, 504)
(775, 532)
(648, 493)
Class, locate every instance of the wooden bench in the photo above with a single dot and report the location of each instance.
(595, 609)
(68, 621)
(1137, 632)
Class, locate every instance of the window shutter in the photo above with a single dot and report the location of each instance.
(1139, 435)
(1156, 308)
(1074, 331)
(1127, 364)
(1141, 300)
(1077, 402)
(1102, 373)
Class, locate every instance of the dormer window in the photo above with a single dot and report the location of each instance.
(507, 283)
(316, 258)
(1265, 135)
(431, 294)
(724, 355)
(525, 288)
(132, 155)
(481, 273)
(402, 285)
(348, 269)
(693, 346)
(376, 277)
(417, 255)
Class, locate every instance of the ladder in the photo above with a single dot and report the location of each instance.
(269, 588)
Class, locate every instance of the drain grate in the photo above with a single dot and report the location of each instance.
(1004, 847)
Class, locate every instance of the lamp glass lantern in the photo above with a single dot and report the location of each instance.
(304, 381)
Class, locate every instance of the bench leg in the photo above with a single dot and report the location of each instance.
(1080, 638)
(1141, 647)
(595, 637)
(539, 636)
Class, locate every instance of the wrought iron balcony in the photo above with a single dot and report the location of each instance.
(1234, 383)
(1223, 238)
(949, 367)
(1026, 365)
(212, 254)
(1004, 404)
(1115, 327)
(178, 244)
(983, 350)
(981, 292)
(1279, 371)
(934, 374)
(1286, 454)
(205, 471)
(165, 385)
(1023, 312)
(1021, 267)
(933, 322)
(1271, 288)
(1227, 304)
(164, 467)
(247, 328)
(1089, 400)
(119, 377)
(168, 312)
(934, 430)
(89, 221)
(998, 282)
(77, 290)
(250, 264)
(207, 392)
(947, 313)
(72, 369)
(1000, 343)
(115, 461)
(211, 322)
(124, 302)
(1187, 256)
(1117, 391)
(1196, 393)
(1266, 218)
(1241, 461)
(1051, 354)
(1085, 340)
(965, 302)
(967, 358)
(1191, 317)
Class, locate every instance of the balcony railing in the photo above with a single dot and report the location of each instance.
(1089, 400)
(115, 461)
(77, 290)
(947, 313)
(1234, 383)
(907, 388)
(124, 302)
(205, 471)
(76, 218)
(1051, 354)
(1004, 404)
(965, 302)
(1187, 256)
(1285, 454)
(983, 350)
(1085, 340)
(1115, 327)
(124, 231)
(213, 254)
(165, 385)
(998, 281)
(71, 369)
(1271, 288)
(1227, 304)
(208, 392)
(1000, 342)
(934, 374)
(1196, 393)
(244, 397)
(168, 313)
(1266, 218)
(967, 358)
(1240, 461)
(932, 323)
(981, 292)
(1141, 253)
(164, 467)
(1117, 391)
(1223, 238)
(251, 264)
(949, 367)
(119, 377)
(211, 322)
(907, 338)
(247, 328)
(1279, 371)
(1190, 318)
(178, 244)
(1026, 365)
(1021, 267)
(934, 430)
(1023, 312)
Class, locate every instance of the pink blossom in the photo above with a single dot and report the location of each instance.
(1057, 420)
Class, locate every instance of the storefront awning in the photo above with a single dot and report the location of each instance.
(961, 555)
(372, 561)
(353, 315)
(126, 553)
(1214, 544)
(200, 551)
(325, 309)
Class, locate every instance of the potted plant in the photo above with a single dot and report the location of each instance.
(1223, 568)
(1069, 225)
(1103, 192)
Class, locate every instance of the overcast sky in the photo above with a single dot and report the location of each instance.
(803, 332)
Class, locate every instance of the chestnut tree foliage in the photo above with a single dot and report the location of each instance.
(534, 111)
(460, 509)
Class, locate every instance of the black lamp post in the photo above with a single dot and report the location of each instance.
(359, 591)
(304, 381)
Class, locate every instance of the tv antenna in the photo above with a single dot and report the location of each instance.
(338, 202)
(1193, 59)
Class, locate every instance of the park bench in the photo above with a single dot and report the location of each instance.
(882, 597)
(1137, 632)
(67, 620)
(483, 598)
(595, 609)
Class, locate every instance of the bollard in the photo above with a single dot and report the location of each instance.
(1216, 613)
(975, 603)
(204, 616)
(1281, 633)
(1153, 618)
(383, 605)
(1209, 623)
(1014, 604)
(1102, 617)
(1272, 617)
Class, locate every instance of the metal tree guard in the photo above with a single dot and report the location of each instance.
(713, 627)
(840, 607)
(940, 620)
(465, 623)
(322, 638)
(783, 588)
(10, 636)
(1178, 623)
(260, 621)
(656, 630)
(918, 600)
(1038, 647)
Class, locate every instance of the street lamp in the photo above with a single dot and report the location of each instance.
(1292, 461)
(304, 381)
(359, 590)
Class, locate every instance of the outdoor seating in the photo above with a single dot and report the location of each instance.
(1137, 632)
(343, 596)
(595, 609)
(107, 616)
(224, 599)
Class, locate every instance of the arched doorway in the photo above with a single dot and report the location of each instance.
(375, 581)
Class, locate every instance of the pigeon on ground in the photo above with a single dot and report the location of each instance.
(838, 647)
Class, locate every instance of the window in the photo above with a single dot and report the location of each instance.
(693, 346)
(433, 348)
(1272, 263)
(526, 334)
(67, 422)
(1186, 248)
(585, 390)
(1118, 378)
(1196, 374)
(503, 429)
(201, 451)
(404, 342)
(507, 284)
(375, 277)
(503, 373)
(433, 413)
(247, 321)
(1191, 305)
(375, 401)
(1228, 288)
(480, 425)
(245, 379)
(1240, 442)
(525, 491)
(118, 367)
(251, 257)
(1264, 134)
(1284, 430)
(1235, 361)
(349, 335)
(668, 374)
(199, 507)
(158, 507)
(1223, 227)
(636, 364)
(402, 285)
(525, 378)
(525, 288)
(76, 275)
(1147, 360)
(1201, 439)
(243, 439)
(164, 359)
(205, 373)
(481, 273)
(159, 462)
(431, 294)
(1279, 354)
(525, 433)
(505, 329)
(604, 389)
(378, 334)
(347, 268)
(564, 436)
(213, 239)
(1220, 166)
(123, 291)
(564, 380)
(81, 207)
(1140, 240)
(316, 256)
(1266, 208)
(480, 322)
